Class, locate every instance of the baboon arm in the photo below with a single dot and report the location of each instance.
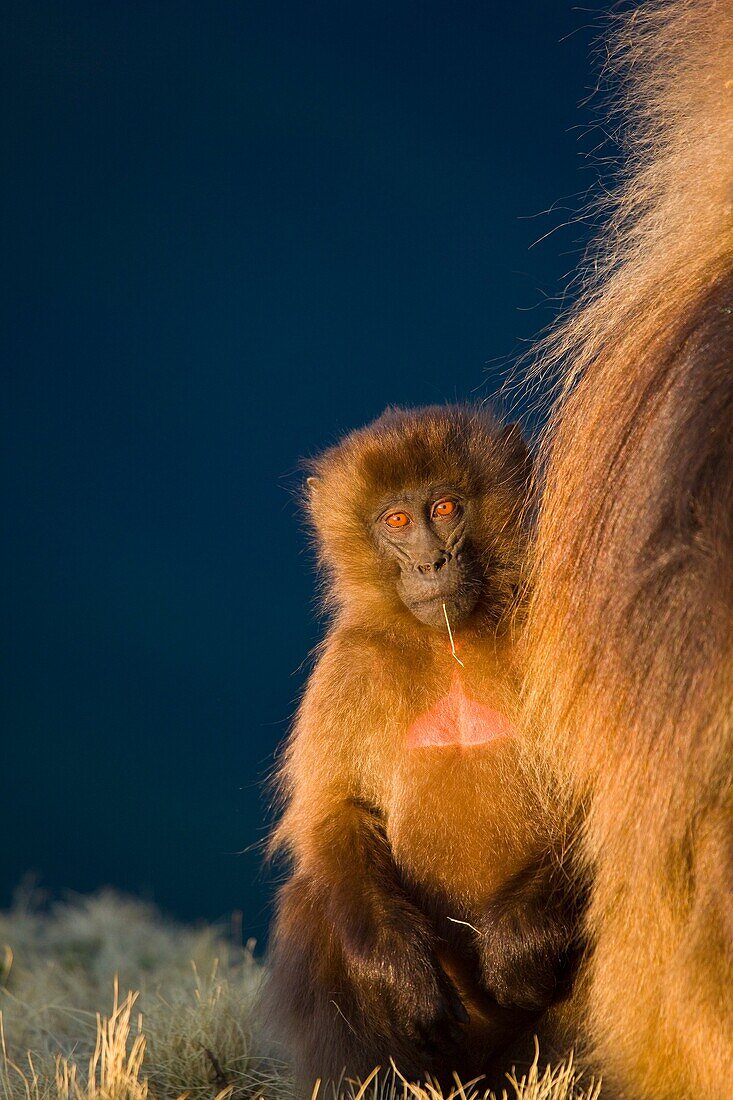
(319, 772)
(354, 974)
(531, 934)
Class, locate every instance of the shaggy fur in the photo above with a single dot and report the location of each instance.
(416, 872)
(631, 628)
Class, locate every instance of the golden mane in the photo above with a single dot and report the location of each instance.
(630, 682)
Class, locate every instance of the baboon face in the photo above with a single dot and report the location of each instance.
(423, 515)
(424, 532)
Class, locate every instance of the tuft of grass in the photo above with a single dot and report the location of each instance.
(560, 1082)
(187, 1028)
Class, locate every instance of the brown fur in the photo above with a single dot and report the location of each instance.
(412, 865)
(631, 630)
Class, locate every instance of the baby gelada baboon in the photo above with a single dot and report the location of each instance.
(423, 921)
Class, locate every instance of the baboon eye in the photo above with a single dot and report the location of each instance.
(444, 508)
(397, 519)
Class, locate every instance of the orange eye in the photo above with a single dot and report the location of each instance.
(397, 519)
(444, 508)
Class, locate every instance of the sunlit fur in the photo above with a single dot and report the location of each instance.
(631, 628)
(397, 853)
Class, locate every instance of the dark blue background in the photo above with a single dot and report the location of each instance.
(232, 231)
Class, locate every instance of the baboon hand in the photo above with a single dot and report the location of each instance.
(526, 958)
(405, 979)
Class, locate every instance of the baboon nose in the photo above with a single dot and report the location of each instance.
(433, 566)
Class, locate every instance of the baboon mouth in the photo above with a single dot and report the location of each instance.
(444, 594)
(432, 609)
(435, 598)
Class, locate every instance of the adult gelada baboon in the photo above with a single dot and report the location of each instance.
(631, 628)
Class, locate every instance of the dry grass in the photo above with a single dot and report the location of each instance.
(187, 1027)
(103, 999)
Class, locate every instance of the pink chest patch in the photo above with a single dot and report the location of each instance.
(458, 721)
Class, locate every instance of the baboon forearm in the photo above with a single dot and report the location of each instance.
(354, 978)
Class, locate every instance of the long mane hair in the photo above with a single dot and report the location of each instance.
(630, 680)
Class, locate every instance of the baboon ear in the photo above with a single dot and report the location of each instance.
(312, 483)
(514, 443)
